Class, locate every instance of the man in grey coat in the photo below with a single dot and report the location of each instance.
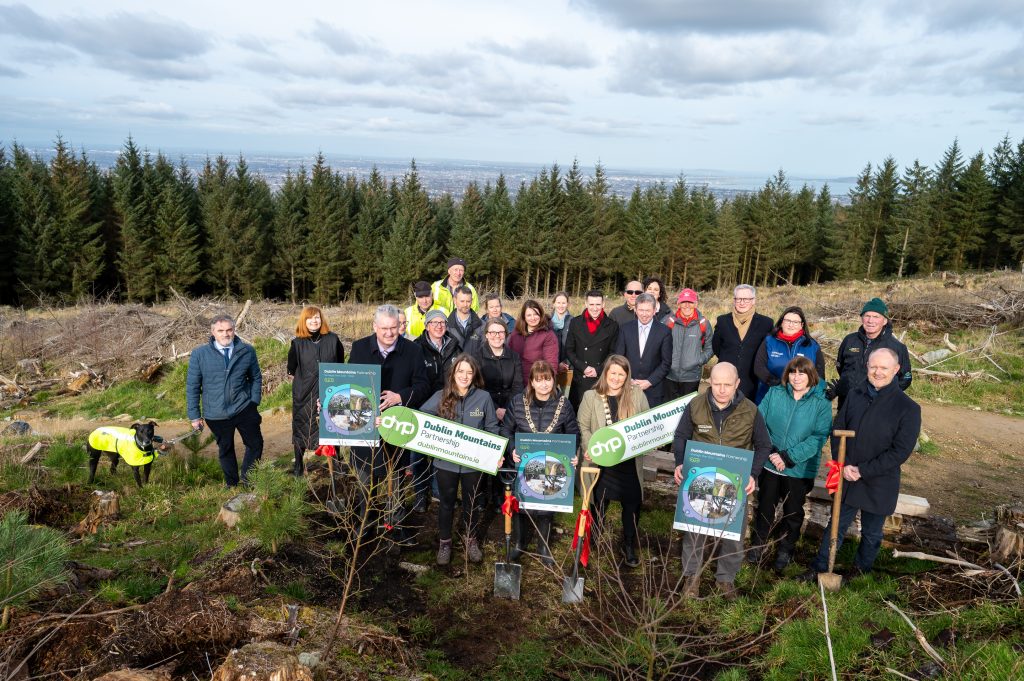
(223, 390)
(692, 346)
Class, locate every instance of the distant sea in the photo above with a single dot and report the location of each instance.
(440, 176)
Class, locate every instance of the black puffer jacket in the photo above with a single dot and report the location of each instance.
(438, 362)
(852, 359)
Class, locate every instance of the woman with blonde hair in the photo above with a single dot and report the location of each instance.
(314, 342)
(613, 399)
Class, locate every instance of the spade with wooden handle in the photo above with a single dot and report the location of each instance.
(830, 580)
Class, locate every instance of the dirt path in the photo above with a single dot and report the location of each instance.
(979, 463)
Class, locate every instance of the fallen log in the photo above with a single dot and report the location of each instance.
(105, 507)
(264, 661)
(1008, 543)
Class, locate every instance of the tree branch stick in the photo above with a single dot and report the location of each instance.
(919, 635)
(937, 559)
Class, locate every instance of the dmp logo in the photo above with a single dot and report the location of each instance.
(610, 446)
(400, 427)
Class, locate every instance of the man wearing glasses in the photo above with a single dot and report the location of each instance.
(440, 348)
(626, 313)
(738, 336)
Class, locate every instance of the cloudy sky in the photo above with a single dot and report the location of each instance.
(743, 85)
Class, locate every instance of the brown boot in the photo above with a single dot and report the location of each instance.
(728, 590)
(691, 587)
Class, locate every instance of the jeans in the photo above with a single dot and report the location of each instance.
(247, 423)
(870, 538)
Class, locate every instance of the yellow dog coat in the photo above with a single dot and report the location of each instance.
(121, 441)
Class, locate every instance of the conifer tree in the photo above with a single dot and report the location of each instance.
(913, 216)
(8, 230)
(409, 250)
(372, 226)
(327, 217)
(214, 194)
(725, 243)
(250, 215)
(945, 202)
(573, 226)
(501, 221)
(290, 231)
(471, 236)
(973, 210)
(137, 231)
(1010, 217)
(33, 219)
(75, 242)
(178, 260)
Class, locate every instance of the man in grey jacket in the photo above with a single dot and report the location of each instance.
(223, 390)
(691, 347)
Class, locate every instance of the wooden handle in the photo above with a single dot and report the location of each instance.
(508, 516)
(837, 499)
(588, 487)
(844, 433)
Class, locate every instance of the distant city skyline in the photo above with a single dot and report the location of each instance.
(737, 86)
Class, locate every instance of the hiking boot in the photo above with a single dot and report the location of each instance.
(444, 552)
(422, 503)
(728, 590)
(473, 551)
(691, 587)
(782, 560)
(810, 576)
(629, 558)
(754, 555)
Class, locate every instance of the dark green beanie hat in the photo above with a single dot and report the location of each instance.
(876, 305)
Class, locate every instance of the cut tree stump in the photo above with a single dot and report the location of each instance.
(104, 507)
(231, 512)
(1009, 538)
(36, 448)
(264, 661)
(136, 675)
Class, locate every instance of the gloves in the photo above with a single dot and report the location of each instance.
(831, 389)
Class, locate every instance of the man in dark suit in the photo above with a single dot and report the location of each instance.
(591, 338)
(738, 336)
(648, 347)
(403, 381)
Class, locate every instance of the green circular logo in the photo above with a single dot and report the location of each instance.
(607, 447)
(398, 426)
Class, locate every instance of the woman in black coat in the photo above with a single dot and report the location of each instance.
(540, 409)
(314, 342)
(502, 371)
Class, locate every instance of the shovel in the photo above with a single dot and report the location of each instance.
(507, 575)
(572, 587)
(830, 581)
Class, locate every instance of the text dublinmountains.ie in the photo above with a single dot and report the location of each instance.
(462, 435)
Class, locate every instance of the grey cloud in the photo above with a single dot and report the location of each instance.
(957, 16)
(253, 43)
(339, 41)
(390, 99)
(844, 120)
(717, 16)
(7, 72)
(722, 119)
(139, 108)
(148, 47)
(554, 51)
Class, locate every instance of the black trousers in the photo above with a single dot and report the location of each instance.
(247, 423)
(630, 518)
(473, 499)
(791, 492)
(672, 390)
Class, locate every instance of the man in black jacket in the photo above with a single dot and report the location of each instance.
(592, 337)
(875, 332)
(887, 423)
(403, 382)
(463, 323)
(647, 345)
(739, 334)
(439, 349)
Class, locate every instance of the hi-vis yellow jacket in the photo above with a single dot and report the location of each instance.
(122, 441)
(415, 319)
(443, 297)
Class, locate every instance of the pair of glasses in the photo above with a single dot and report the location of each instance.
(496, 333)
(436, 323)
(743, 300)
(793, 322)
(633, 293)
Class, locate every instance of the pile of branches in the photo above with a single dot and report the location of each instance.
(950, 307)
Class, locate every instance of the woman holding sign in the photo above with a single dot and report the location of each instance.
(539, 409)
(464, 400)
(314, 342)
(799, 419)
(614, 398)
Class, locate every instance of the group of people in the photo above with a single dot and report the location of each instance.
(767, 393)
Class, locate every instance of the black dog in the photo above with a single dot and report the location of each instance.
(133, 444)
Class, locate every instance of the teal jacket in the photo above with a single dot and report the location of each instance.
(798, 427)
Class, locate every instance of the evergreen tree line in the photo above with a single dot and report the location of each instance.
(73, 231)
